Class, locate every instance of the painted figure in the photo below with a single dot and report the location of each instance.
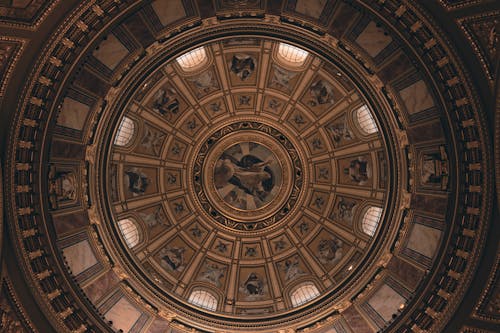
(358, 171)
(213, 273)
(157, 217)
(243, 66)
(320, 92)
(136, 181)
(340, 132)
(253, 285)
(281, 78)
(329, 250)
(172, 258)
(250, 174)
(292, 269)
(204, 83)
(165, 103)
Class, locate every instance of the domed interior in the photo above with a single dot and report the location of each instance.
(254, 184)
(288, 166)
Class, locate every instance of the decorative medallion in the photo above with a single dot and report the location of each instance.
(247, 176)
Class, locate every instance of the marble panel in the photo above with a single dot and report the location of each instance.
(158, 326)
(111, 52)
(70, 222)
(396, 68)
(356, 322)
(91, 82)
(417, 97)
(65, 149)
(373, 39)
(426, 132)
(424, 240)
(101, 286)
(169, 11)
(405, 272)
(123, 315)
(138, 28)
(20, 3)
(432, 204)
(311, 8)
(345, 15)
(73, 114)
(79, 257)
(386, 301)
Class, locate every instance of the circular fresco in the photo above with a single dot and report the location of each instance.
(247, 176)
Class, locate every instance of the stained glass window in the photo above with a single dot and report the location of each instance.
(292, 54)
(304, 293)
(125, 132)
(203, 299)
(193, 59)
(129, 231)
(371, 220)
(365, 120)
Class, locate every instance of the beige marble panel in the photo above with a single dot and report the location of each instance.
(424, 240)
(110, 52)
(417, 97)
(169, 11)
(73, 114)
(123, 315)
(386, 301)
(312, 8)
(373, 40)
(79, 257)
(20, 3)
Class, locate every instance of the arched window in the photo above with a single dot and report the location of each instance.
(304, 293)
(193, 59)
(130, 232)
(365, 120)
(125, 132)
(291, 54)
(203, 299)
(371, 219)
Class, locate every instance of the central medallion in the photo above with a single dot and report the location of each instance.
(247, 176)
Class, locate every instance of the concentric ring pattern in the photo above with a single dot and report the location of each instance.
(249, 178)
(247, 166)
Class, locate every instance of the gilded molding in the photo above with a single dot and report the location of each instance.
(12, 315)
(11, 50)
(488, 306)
(33, 105)
(454, 5)
(488, 54)
(9, 17)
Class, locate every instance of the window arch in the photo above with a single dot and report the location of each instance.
(291, 54)
(130, 232)
(203, 299)
(365, 120)
(370, 220)
(125, 132)
(304, 293)
(193, 59)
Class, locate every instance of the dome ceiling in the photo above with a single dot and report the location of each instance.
(249, 177)
(317, 167)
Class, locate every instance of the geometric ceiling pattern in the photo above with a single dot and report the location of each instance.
(268, 184)
(248, 166)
